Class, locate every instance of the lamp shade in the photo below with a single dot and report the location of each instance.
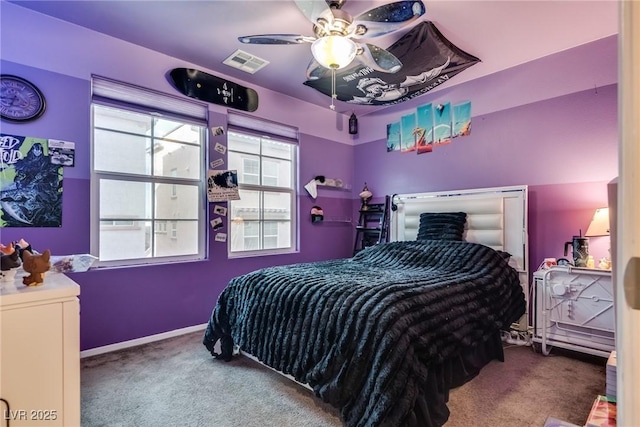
(334, 52)
(599, 225)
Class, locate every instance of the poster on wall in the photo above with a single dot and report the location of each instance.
(424, 116)
(222, 185)
(30, 184)
(462, 119)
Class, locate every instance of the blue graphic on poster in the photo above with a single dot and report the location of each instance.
(393, 136)
(424, 129)
(30, 185)
(462, 119)
(442, 124)
(407, 135)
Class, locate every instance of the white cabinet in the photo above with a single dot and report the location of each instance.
(40, 353)
(574, 309)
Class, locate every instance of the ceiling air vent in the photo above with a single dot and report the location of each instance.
(245, 61)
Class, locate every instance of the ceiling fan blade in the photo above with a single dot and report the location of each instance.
(314, 9)
(276, 39)
(378, 59)
(389, 17)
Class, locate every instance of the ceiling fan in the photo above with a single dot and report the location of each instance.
(337, 35)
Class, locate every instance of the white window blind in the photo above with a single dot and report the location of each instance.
(261, 127)
(113, 90)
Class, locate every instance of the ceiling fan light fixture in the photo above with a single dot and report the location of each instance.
(334, 52)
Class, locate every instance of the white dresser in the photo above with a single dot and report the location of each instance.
(40, 353)
(574, 309)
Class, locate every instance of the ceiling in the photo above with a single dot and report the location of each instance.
(503, 34)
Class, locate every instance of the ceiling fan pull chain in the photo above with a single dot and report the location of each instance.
(333, 87)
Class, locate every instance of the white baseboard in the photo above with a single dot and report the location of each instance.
(143, 340)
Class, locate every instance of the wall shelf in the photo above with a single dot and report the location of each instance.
(338, 220)
(336, 184)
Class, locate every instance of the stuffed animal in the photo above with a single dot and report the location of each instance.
(36, 266)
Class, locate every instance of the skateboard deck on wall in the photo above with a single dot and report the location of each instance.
(216, 90)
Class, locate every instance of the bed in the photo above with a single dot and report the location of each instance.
(384, 335)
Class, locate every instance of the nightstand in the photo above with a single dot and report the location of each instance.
(573, 308)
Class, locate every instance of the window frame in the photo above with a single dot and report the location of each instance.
(262, 189)
(153, 180)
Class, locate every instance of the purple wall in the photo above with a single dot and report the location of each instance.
(565, 149)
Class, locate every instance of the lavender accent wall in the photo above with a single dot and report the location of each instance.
(564, 149)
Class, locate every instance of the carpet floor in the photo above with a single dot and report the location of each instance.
(175, 382)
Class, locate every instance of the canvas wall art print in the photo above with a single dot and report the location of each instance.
(30, 184)
(393, 136)
(442, 124)
(462, 119)
(431, 125)
(424, 141)
(408, 133)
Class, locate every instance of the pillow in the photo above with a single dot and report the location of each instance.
(442, 225)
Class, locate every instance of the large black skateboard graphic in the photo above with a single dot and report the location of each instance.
(206, 87)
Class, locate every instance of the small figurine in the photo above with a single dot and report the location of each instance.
(9, 262)
(22, 246)
(604, 264)
(365, 195)
(36, 265)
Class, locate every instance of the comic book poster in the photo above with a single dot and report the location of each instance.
(222, 185)
(30, 184)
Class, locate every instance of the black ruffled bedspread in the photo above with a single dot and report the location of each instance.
(370, 333)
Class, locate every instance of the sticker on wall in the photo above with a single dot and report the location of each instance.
(220, 210)
(222, 185)
(216, 163)
(217, 130)
(216, 223)
(220, 237)
(30, 185)
(62, 153)
(220, 148)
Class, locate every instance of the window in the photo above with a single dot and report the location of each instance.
(148, 197)
(263, 221)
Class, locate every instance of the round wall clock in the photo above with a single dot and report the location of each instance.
(20, 100)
